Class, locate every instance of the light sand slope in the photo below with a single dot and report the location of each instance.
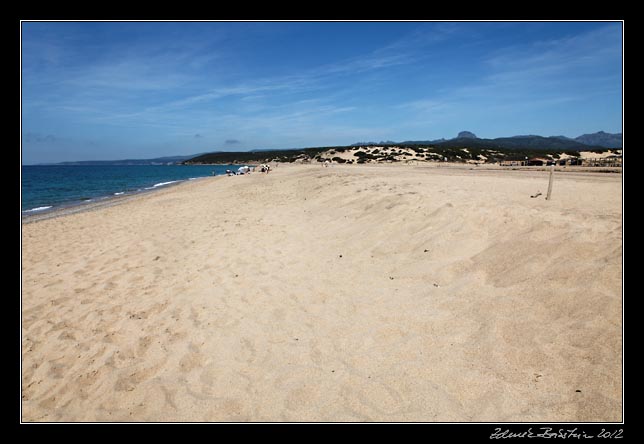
(350, 293)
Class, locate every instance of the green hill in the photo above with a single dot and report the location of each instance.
(256, 156)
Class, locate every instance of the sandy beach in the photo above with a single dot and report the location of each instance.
(349, 293)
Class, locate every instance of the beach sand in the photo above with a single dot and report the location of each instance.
(348, 293)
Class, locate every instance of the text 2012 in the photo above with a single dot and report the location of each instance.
(549, 433)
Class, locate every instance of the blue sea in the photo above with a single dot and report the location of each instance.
(50, 187)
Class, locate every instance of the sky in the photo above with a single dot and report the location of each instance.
(139, 90)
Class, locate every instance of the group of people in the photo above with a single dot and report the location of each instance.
(264, 168)
(240, 171)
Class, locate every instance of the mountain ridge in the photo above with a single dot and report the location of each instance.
(591, 141)
(166, 160)
(594, 140)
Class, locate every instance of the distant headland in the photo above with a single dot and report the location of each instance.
(466, 147)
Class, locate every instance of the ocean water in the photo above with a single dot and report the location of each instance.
(49, 187)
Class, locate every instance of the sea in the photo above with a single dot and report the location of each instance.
(48, 188)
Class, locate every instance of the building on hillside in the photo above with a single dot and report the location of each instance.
(513, 163)
(614, 160)
(539, 161)
(568, 161)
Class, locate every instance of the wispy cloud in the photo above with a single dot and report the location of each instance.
(576, 51)
(31, 137)
(545, 73)
(208, 82)
(149, 84)
(113, 93)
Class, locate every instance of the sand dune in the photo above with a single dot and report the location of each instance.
(350, 293)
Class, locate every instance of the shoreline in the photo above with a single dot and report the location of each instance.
(99, 202)
(105, 201)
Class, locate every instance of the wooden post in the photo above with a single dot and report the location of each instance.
(552, 170)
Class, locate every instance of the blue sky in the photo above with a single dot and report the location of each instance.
(114, 90)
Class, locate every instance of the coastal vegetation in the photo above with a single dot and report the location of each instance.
(465, 151)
